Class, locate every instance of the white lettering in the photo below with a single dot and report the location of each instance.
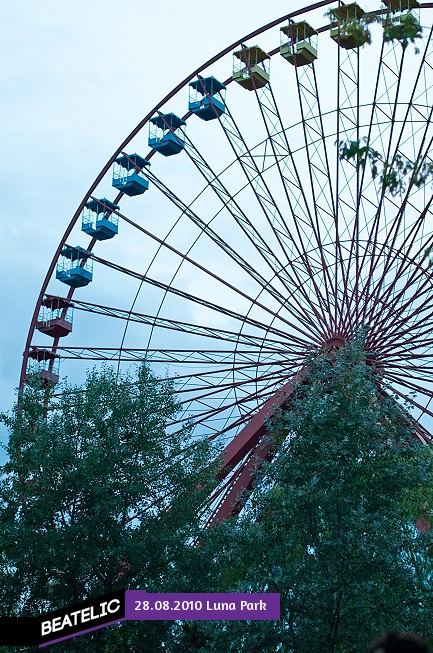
(79, 616)
(220, 606)
(57, 624)
(113, 609)
(66, 622)
(75, 614)
(247, 605)
(46, 627)
(103, 609)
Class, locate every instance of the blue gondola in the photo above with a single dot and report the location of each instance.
(99, 221)
(166, 134)
(206, 98)
(74, 267)
(129, 176)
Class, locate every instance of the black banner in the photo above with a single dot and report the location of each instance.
(64, 623)
(19, 631)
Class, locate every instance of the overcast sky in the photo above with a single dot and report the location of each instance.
(76, 77)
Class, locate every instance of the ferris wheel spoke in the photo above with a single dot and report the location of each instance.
(184, 257)
(245, 417)
(288, 276)
(402, 263)
(362, 209)
(373, 248)
(393, 232)
(249, 160)
(229, 202)
(387, 346)
(223, 391)
(360, 184)
(422, 433)
(268, 204)
(400, 255)
(410, 385)
(266, 285)
(249, 413)
(348, 125)
(421, 372)
(313, 123)
(399, 354)
(260, 244)
(397, 298)
(312, 127)
(405, 378)
(409, 354)
(236, 423)
(381, 112)
(218, 240)
(212, 389)
(288, 166)
(411, 236)
(212, 413)
(170, 324)
(210, 377)
(408, 237)
(419, 430)
(257, 183)
(399, 303)
(164, 497)
(171, 289)
(393, 292)
(390, 338)
(177, 356)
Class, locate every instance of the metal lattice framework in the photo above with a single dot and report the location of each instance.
(258, 244)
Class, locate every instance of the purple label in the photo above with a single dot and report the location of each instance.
(141, 605)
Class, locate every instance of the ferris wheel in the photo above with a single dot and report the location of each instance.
(273, 204)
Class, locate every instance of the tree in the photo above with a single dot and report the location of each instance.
(331, 524)
(99, 494)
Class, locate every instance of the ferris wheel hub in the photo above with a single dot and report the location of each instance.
(335, 342)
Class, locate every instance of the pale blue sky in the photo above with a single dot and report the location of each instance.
(76, 77)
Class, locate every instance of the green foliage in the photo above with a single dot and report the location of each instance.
(404, 28)
(331, 524)
(394, 174)
(348, 150)
(355, 32)
(98, 495)
(426, 256)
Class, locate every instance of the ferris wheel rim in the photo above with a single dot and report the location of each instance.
(261, 397)
(139, 126)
